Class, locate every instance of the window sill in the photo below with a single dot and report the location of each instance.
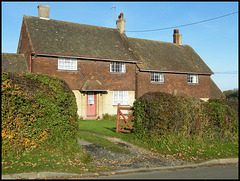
(117, 72)
(67, 70)
(157, 82)
(193, 83)
(121, 105)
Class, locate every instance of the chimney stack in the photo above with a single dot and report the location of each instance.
(121, 23)
(177, 38)
(43, 11)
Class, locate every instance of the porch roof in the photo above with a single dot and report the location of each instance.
(93, 85)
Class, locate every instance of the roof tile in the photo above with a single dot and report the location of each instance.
(14, 63)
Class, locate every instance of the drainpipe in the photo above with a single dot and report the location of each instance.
(30, 63)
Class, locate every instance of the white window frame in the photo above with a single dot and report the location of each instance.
(67, 64)
(117, 67)
(121, 97)
(192, 79)
(157, 77)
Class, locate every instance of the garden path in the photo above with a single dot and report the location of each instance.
(137, 157)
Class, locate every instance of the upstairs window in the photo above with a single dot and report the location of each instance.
(67, 64)
(117, 67)
(157, 77)
(192, 79)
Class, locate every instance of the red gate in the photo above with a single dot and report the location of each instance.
(123, 119)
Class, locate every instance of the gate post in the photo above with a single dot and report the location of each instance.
(118, 117)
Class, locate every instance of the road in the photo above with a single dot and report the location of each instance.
(213, 172)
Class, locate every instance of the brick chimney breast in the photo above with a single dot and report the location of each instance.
(43, 11)
(177, 38)
(121, 23)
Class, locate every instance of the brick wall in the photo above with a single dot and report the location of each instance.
(24, 45)
(173, 82)
(86, 69)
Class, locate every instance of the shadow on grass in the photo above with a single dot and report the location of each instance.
(113, 129)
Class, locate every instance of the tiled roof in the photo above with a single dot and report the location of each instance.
(14, 63)
(163, 56)
(65, 38)
(93, 85)
(215, 92)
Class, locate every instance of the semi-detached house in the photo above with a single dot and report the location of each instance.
(104, 67)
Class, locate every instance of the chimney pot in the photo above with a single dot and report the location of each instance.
(43, 11)
(121, 15)
(176, 31)
(177, 38)
(121, 23)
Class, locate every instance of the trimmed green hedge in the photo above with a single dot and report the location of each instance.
(37, 110)
(159, 114)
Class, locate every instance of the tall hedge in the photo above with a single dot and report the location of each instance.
(159, 114)
(37, 111)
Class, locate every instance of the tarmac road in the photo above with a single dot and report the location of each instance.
(213, 172)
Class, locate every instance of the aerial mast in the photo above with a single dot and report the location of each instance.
(115, 12)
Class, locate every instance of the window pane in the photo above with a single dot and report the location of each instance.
(152, 76)
(126, 98)
(115, 97)
(111, 67)
(117, 67)
(123, 67)
(90, 98)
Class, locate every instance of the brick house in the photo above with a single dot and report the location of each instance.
(104, 67)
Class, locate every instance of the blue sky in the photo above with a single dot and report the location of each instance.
(216, 41)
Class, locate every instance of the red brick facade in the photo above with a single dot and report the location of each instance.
(100, 70)
(86, 69)
(174, 82)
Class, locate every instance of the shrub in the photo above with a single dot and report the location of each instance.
(222, 119)
(37, 110)
(109, 117)
(158, 115)
(231, 94)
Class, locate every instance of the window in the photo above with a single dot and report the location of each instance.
(157, 77)
(90, 98)
(117, 67)
(192, 79)
(120, 97)
(67, 64)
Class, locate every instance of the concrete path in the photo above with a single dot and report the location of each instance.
(59, 175)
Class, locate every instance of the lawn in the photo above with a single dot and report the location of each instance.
(105, 127)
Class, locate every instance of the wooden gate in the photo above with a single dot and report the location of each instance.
(123, 119)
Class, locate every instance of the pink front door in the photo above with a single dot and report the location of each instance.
(91, 104)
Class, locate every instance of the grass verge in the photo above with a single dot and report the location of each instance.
(189, 150)
(55, 161)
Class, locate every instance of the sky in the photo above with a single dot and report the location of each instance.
(215, 41)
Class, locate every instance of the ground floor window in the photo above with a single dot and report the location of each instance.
(120, 97)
